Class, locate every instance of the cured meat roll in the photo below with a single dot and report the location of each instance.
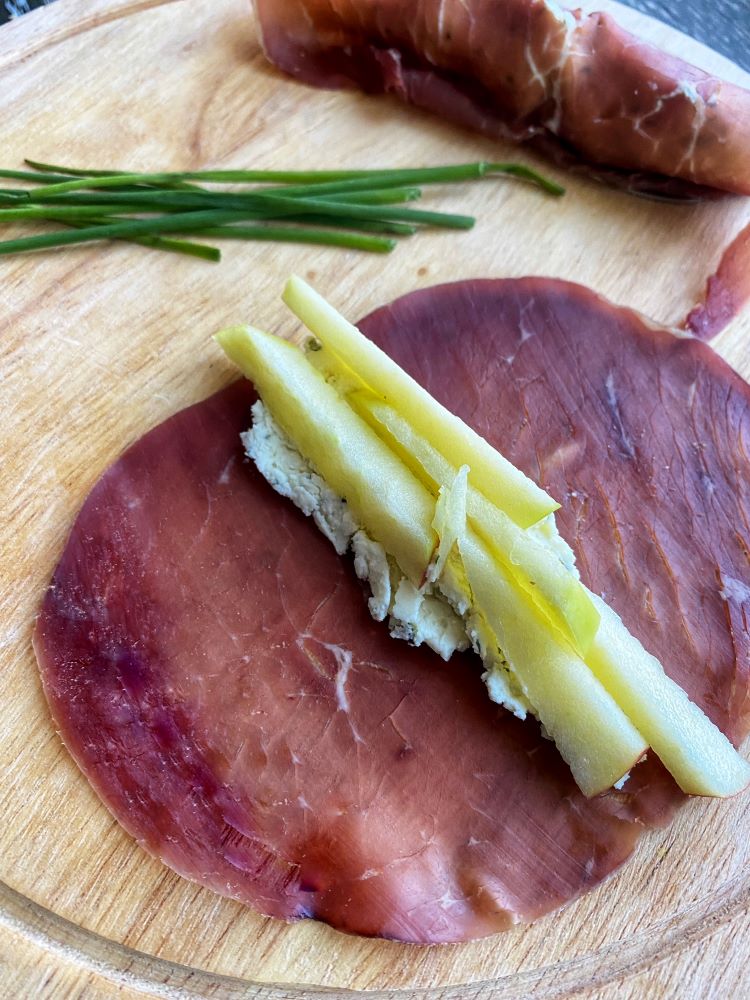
(576, 85)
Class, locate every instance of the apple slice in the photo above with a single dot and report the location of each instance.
(449, 522)
(340, 445)
(494, 476)
(695, 752)
(547, 581)
(594, 736)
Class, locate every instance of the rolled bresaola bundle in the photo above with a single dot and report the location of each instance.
(576, 85)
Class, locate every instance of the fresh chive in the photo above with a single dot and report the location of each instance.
(320, 206)
(378, 196)
(428, 175)
(80, 212)
(200, 250)
(527, 174)
(130, 200)
(275, 206)
(359, 225)
(414, 175)
(188, 222)
(296, 234)
(159, 197)
(65, 173)
(184, 222)
(60, 211)
(113, 181)
(34, 177)
(16, 197)
(74, 171)
(123, 203)
(352, 178)
(398, 178)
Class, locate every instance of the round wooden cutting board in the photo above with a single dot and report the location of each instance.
(101, 344)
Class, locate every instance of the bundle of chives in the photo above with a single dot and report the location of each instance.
(356, 209)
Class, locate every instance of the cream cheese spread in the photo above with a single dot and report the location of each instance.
(438, 615)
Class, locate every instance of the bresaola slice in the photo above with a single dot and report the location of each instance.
(211, 664)
(577, 86)
(727, 291)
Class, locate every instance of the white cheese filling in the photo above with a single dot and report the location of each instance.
(438, 615)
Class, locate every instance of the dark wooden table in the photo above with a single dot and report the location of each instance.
(722, 24)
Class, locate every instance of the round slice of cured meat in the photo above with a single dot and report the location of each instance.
(211, 665)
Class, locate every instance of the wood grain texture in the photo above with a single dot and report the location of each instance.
(99, 345)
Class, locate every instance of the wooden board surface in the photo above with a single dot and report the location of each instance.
(99, 345)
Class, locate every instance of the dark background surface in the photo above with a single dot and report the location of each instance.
(722, 24)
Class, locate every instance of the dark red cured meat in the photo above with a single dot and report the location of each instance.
(727, 291)
(578, 86)
(211, 665)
